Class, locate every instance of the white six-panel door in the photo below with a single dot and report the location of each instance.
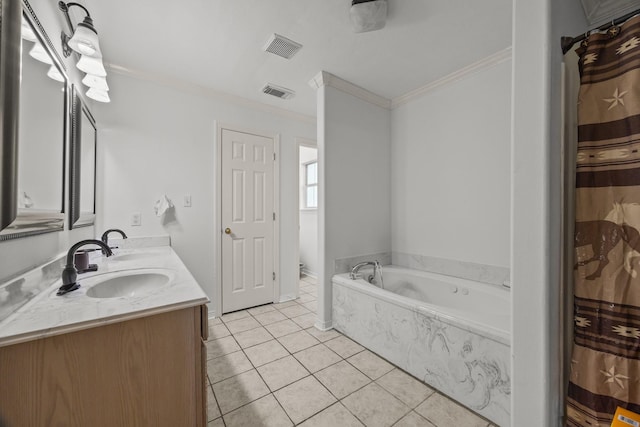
(247, 220)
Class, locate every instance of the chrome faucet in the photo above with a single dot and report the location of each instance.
(356, 268)
(105, 235)
(70, 274)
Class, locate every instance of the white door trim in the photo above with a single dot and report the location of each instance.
(306, 142)
(217, 197)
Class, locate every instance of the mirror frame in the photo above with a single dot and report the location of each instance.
(77, 218)
(15, 223)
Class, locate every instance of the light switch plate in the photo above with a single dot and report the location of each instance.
(187, 200)
(136, 219)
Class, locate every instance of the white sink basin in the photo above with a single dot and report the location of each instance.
(132, 256)
(128, 284)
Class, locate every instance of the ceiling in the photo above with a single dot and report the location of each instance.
(218, 44)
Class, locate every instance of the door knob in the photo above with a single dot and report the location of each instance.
(227, 230)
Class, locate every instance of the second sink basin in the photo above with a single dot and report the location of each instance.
(129, 284)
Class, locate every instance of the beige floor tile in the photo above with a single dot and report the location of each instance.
(310, 279)
(285, 304)
(371, 365)
(265, 352)
(239, 390)
(344, 346)
(412, 419)
(218, 331)
(311, 306)
(323, 336)
(376, 407)
(317, 357)
(342, 379)
(282, 372)
(304, 398)
(442, 411)
(213, 411)
(306, 298)
(216, 423)
(294, 311)
(242, 325)
(307, 289)
(230, 317)
(214, 321)
(298, 341)
(282, 328)
(270, 317)
(264, 412)
(335, 415)
(261, 309)
(313, 292)
(305, 321)
(252, 337)
(227, 366)
(220, 347)
(405, 387)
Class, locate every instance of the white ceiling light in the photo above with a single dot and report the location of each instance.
(38, 52)
(91, 66)
(368, 15)
(98, 95)
(96, 82)
(55, 74)
(27, 32)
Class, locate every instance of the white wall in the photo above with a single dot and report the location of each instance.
(450, 183)
(308, 219)
(355, 213)
(157, 139)
(19, 255)
(536, 217)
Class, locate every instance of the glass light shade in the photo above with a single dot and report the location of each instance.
(85, 42)
(27, 32)
(92, 66)
(55, 74)
(96, 82)
(38, 52)
(98, 95)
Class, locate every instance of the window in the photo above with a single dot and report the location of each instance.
(311, 185)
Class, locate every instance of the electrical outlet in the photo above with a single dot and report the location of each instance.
(187, 201)
(136, 219)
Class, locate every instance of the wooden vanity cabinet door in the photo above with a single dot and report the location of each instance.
(141, 372)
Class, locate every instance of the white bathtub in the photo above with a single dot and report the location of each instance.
(451, 333)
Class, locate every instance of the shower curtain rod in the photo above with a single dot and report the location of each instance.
(568, 42)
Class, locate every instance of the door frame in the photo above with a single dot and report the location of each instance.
(300, 142)
(217, 198)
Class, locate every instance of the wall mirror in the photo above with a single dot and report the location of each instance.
(34, 105)
(83, 164)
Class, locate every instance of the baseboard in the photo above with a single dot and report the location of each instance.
(323, 326)
(287, 297)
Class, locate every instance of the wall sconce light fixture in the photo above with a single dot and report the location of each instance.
(84, 41)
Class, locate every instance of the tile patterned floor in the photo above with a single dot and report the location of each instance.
(269, 367)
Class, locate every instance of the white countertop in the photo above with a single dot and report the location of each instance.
(48, 314)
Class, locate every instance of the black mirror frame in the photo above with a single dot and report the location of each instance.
(16, 223)
(78, 218)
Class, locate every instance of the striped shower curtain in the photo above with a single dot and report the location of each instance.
(605, 362)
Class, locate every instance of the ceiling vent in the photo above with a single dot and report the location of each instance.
(281, 46)
(277, 91)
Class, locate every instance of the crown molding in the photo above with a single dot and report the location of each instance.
(324, 78)
(195, 89)
(481, 65)
(601, 11)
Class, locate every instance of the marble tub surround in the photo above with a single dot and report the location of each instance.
(344, 265)
(467, 366)
(467, 270)
(47, 314)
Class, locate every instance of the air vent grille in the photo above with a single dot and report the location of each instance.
(277, 91)
(281, 46)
